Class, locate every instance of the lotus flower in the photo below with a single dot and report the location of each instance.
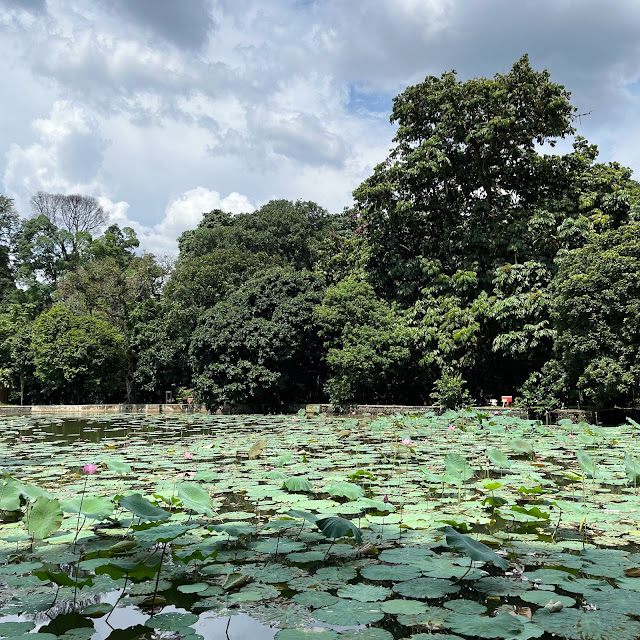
(187, 455)
(406, 442)
(89, 469)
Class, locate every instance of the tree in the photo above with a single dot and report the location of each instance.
(108, 290)
(596, 314)
(78, 358)
(17, 369)
(75, 213)
(281, 228)
(368, 345)
(461, 177)
(259, 344)
(202, 281)
(9, 225)
(463, 222)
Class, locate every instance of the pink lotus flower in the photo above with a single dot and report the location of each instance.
(407, 442)
(385, 499)
(296, 419)
(89, 469)
(571, 435)
(451, 427)
(187, 455)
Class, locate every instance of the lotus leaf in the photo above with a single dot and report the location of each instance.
(346, 613)
(477, 551)
(425, 588)
(390, 572)
(587, 625)
(195, 498)
(142, 508)
(364, 592)
(43, 518)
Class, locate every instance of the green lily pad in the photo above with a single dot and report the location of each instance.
(390, 572)
(425, 588)
(587, 625)
(315, 599)
(346, 613)
(502, 626)
(364, 592)
(403, 606)
(172, 621)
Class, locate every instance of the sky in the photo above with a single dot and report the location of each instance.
(165, 109)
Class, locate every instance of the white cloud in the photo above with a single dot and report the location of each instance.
(284, 99)
(66, 156)
(181, 214)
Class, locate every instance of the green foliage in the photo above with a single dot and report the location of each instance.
(464, 154)
(281, 228)
(597, 315)
(78, 358)
(202, 281)
(259, 343)
(545, 389)
(449, 391)
(43, 518)
(368, 344)
(475, 550)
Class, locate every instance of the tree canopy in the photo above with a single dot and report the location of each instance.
(474, 263)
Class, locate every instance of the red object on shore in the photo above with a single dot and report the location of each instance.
(507, 400)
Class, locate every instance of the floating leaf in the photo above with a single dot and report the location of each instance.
(347, 613)
(364, 592)
(425, 588)
(587, 625)
(390, 572)
(503, 625)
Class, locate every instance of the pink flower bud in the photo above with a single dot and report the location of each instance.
(406, 442)
(385, 499)
(89, 469)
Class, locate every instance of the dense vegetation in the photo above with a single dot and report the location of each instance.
(472, 265)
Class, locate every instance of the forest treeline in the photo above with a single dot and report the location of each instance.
(474, 263)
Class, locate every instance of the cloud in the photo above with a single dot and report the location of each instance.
(185, 24)
(65, 158)
(285, 99)
(33, 6)
(181, 214)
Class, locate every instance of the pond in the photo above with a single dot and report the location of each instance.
(464, 525)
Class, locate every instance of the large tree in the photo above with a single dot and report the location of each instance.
(463, 222)
(78, 358)
(462, 176)
(110, 286)
(291, 231)
(259, 345)
(596, 312)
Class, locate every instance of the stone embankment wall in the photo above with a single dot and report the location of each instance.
(92, 409)
(604, 417)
